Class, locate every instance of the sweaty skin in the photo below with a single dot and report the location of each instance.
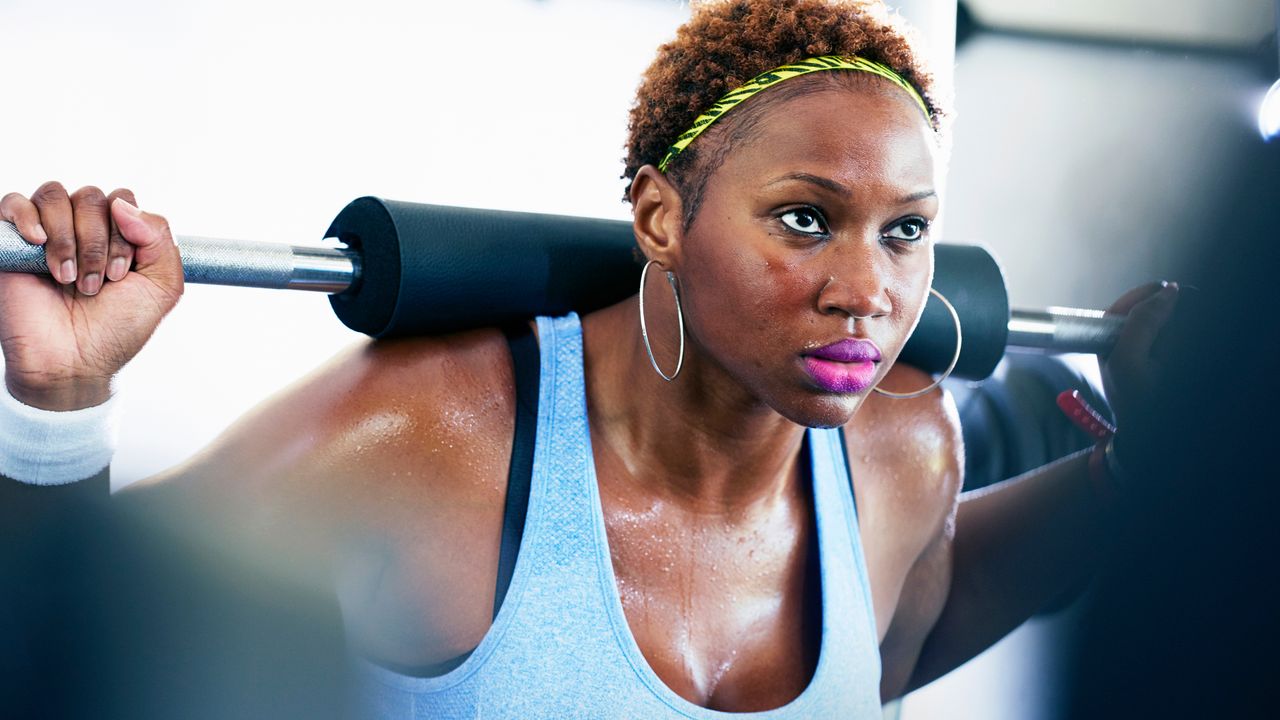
(413, 473)
(384, 471)
(405, 488)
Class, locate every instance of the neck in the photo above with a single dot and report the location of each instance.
(701, 441)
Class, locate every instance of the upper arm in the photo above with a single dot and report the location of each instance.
(924, 594)
(382, 452)
(908, 458)
(287, 454)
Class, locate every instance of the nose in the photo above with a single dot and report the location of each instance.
(858, 282)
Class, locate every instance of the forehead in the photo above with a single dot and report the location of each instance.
(853, 135)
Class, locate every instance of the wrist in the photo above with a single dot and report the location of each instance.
(60, 397)
(1108, 478)
(44, 447)
(1105, 472)
(1115, 466)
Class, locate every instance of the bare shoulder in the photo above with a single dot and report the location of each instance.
(907, 457)
(388, 460)
(379, 411)
(908, 463)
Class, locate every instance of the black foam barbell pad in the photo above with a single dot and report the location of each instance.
(969, 277)
(432, 269)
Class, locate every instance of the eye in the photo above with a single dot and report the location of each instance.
(806, 221)
(911, 229)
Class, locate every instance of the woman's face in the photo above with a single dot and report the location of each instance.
(812, 235)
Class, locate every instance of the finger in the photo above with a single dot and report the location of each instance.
(119, 251)
(1144, 322)
(1130, 299)
(23, 213)
(155, 254)
(56, 217)
(93, 233)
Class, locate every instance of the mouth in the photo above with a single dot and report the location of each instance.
(848, 366)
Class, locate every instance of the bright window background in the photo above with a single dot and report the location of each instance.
(261, 120)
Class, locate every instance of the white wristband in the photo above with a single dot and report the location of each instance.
(46, 447)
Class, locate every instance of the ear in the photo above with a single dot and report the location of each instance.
(657, 212)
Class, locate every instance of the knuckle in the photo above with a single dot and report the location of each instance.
(92, 253)
(62, 243)
(60, 247)
(12, 199)
(1142, 313)
(52, 191)
(89, 195)
(92, 230)
(125, 193)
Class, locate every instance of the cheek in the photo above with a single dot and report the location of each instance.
(908, 291)
(787, 302)
(746, 299)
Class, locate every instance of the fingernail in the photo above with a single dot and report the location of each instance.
(68, 272)
(117, 268)
(129, 208)
(92, 283)
(38, 234)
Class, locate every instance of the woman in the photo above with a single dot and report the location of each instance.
(689, 546)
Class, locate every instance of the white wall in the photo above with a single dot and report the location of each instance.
(1085, 167)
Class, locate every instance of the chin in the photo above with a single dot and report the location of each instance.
(822, 410)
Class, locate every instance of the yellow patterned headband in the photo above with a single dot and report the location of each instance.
(772, 77)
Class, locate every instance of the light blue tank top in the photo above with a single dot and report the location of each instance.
(560, 646)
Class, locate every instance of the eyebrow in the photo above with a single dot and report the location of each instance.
(918, 196)
(839, 189)
(818, 180)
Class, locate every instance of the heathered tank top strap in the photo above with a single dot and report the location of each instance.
(560, 646)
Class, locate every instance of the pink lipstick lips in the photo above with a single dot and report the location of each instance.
(847, 366)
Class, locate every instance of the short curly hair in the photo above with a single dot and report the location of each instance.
(727, 42)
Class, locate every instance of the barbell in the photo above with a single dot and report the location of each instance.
(395, 268)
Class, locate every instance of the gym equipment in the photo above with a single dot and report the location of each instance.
(410, 268)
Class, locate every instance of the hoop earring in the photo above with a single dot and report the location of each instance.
(644, 329)
(955, 317)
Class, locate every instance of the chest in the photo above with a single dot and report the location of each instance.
(726, 615)
(727, 612)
